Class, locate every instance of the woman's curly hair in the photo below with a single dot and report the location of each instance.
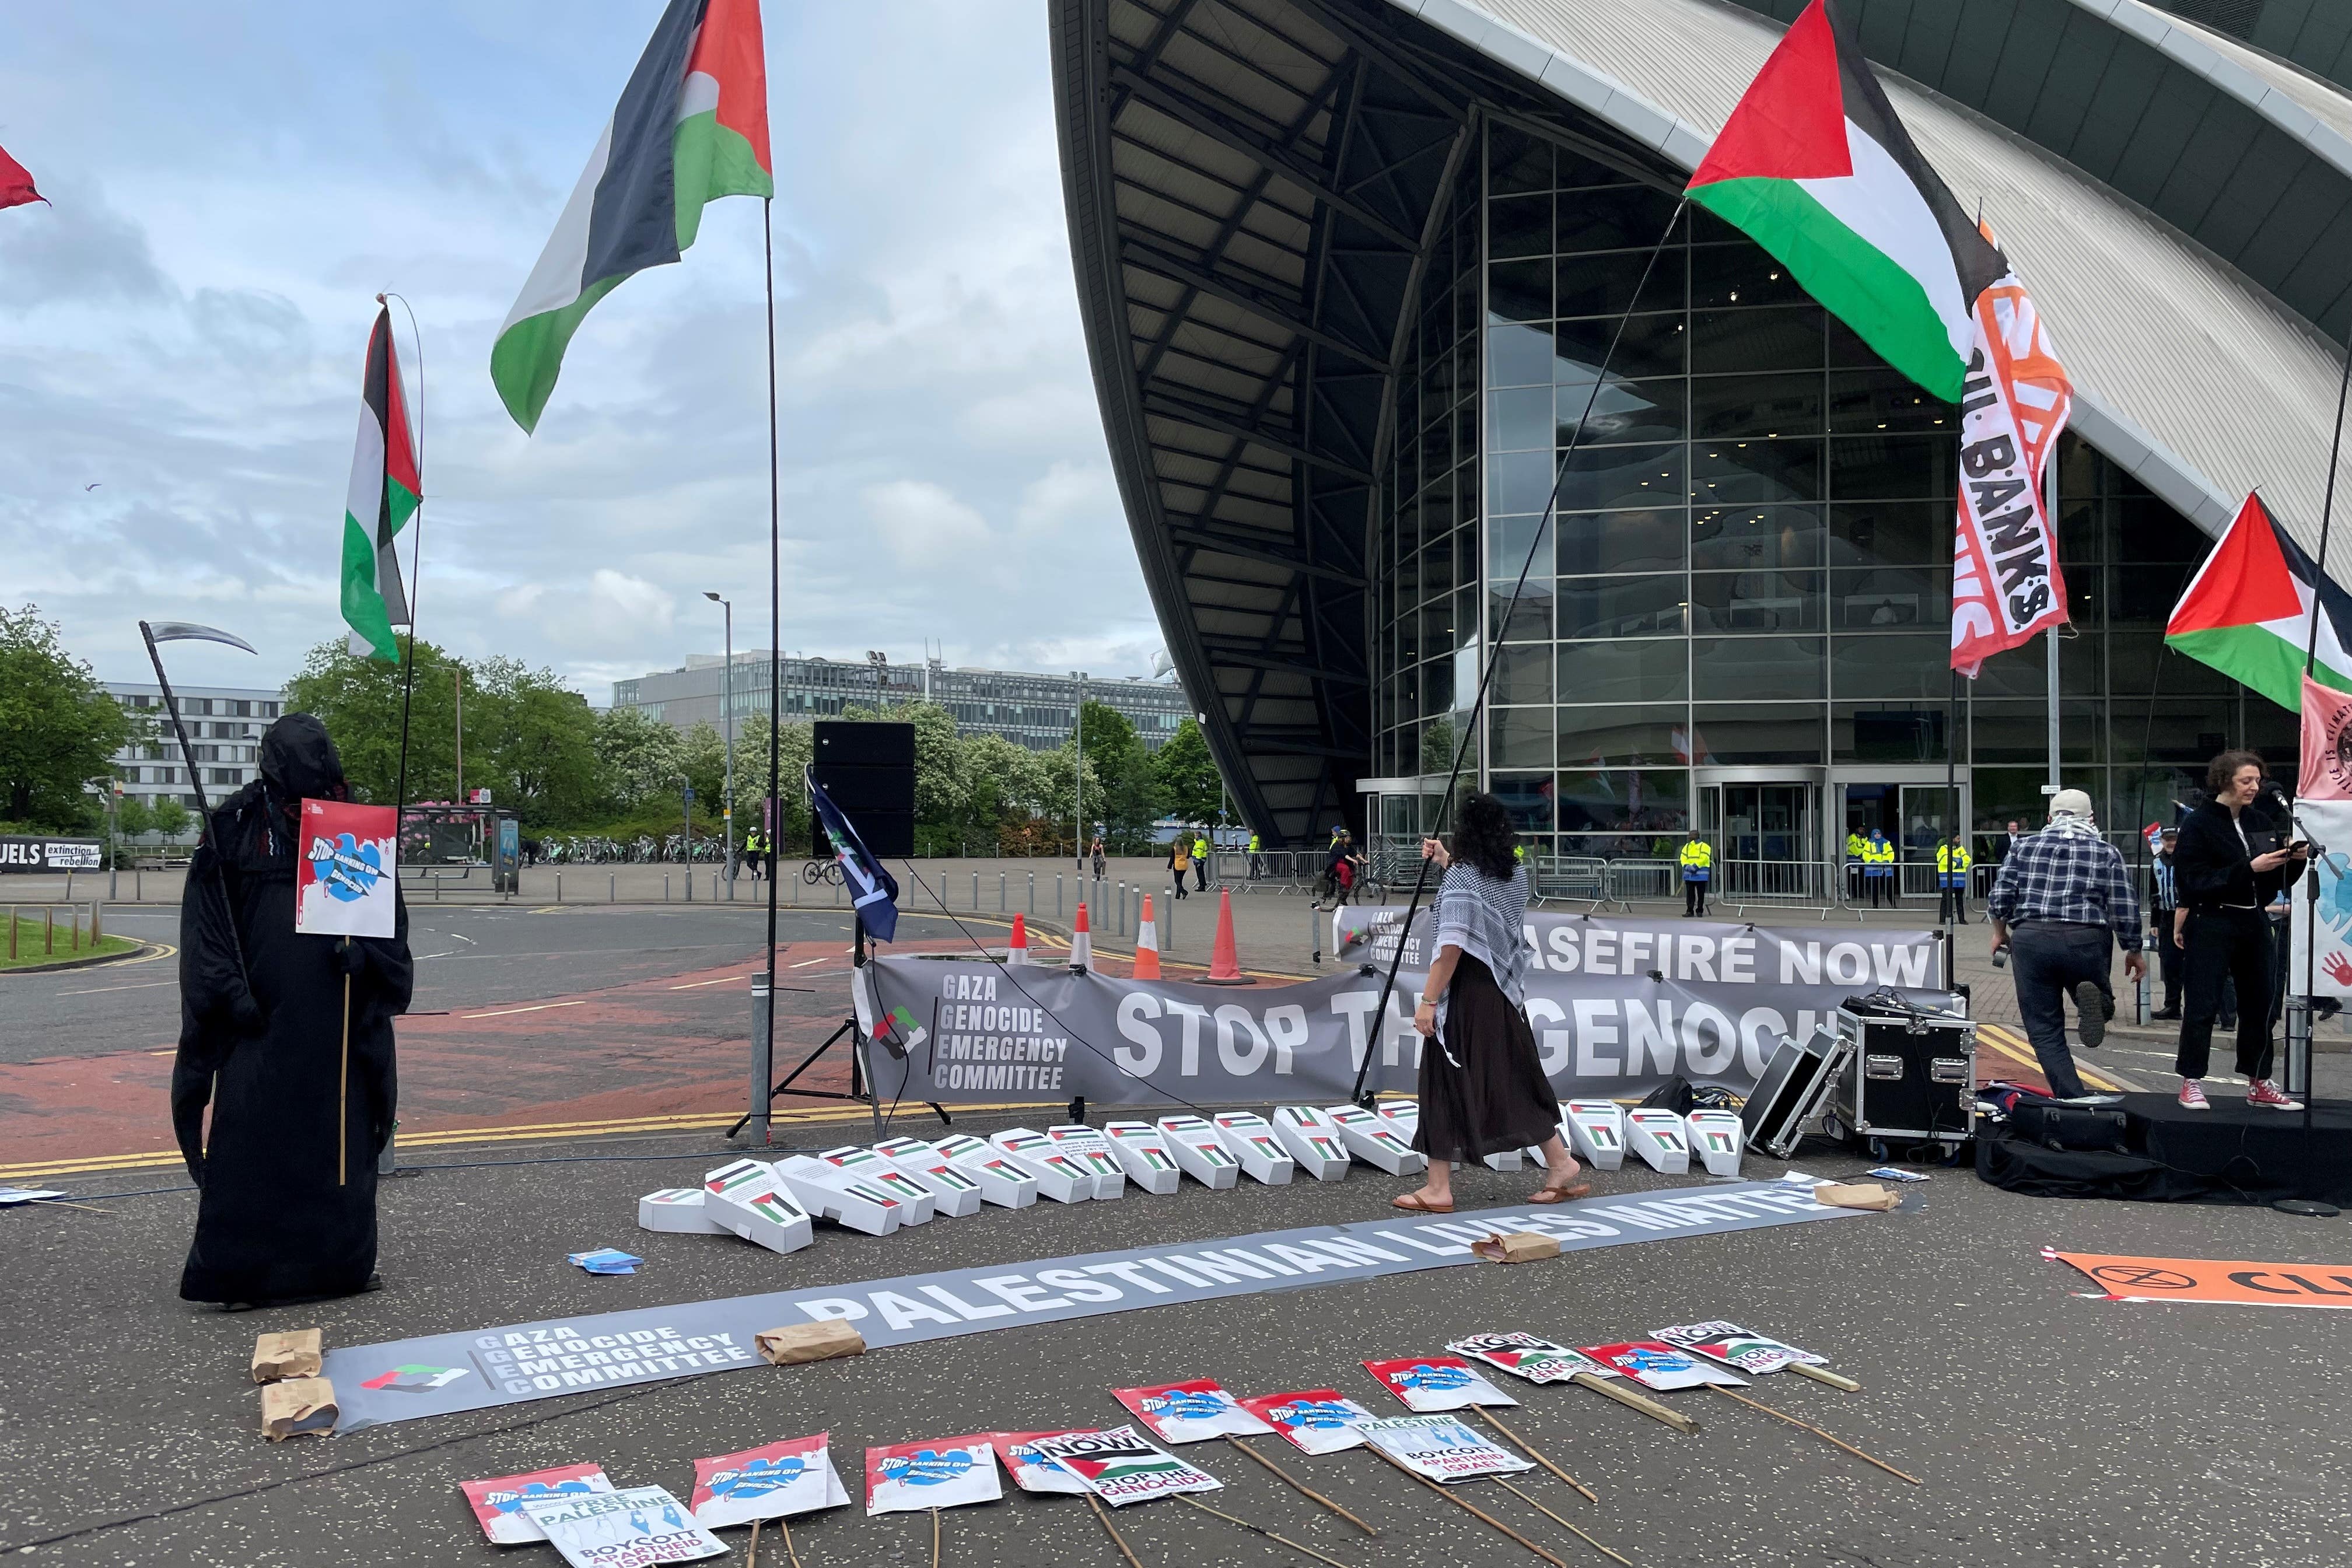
(1482, 836)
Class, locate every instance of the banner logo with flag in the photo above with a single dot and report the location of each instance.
(874, 892)
(692, 126)
(2005, 585)
(383, 496)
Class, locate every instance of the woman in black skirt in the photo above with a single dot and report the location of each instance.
(1483, 1088)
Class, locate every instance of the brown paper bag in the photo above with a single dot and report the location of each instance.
(1857, 1196)
(279, 1356)
(1519, 1247)
(809, 1342)
(300, 1404)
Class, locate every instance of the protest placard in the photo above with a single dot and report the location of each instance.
(1524, 1355)
(1317, 1420)
(907, 1478)
(1190, 1412)
(1735, 1346)
(1442, 1448)
(633, 1527)
(774, 1481)
(1032, 1471)
(498, 1502)
(1434, 1383)
(1121, 1467)
(347, 869)
(1653, 1364)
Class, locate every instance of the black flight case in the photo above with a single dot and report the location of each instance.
(1909, 1077)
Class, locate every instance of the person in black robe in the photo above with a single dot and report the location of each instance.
(285, 1214)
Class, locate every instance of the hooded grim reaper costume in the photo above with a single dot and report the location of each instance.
(261, 1038)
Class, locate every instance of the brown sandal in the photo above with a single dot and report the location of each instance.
(1561, 1194)
(1413, 1203)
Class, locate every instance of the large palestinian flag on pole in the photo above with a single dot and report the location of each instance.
(2247, 612)
(692, 126)
(16, 182)
(384, 494)
(1814, 166)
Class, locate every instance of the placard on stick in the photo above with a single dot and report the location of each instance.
(498, 1502)
(1190, 1412)
(1121, 1467)
(772, 1481)
(347, 873)
(1316, 1420)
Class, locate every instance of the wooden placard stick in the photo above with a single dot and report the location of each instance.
(1816, 1432)
(790, 1550)
(344, 1086)
(752, 1559)
(1615, 1389)
(935, 1538)
(1464, 1502)
(1261, 1530)
(1559, 1521)
(1823, 1374)
(1301, 1488)
(1117, 1538)
(1529, 1450)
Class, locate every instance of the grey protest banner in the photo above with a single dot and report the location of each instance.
(1618, 1006)
(441, 1374)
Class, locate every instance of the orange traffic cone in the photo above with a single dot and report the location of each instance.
(1017, 950)
(1225, 963)
(1081, 941)
(1147, 945)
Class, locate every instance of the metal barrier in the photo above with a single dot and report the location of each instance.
(1578, 877)
(1652, 879)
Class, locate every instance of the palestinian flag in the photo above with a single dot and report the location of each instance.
(2247, 612)
(692, 126)
(382, 497)
(1814, 166)
(16, 183)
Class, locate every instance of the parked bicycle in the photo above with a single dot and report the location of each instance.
(819, 871)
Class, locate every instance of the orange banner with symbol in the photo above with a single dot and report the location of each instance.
(2234, 1284)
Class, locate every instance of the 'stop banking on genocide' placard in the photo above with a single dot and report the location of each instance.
(1618, 1006)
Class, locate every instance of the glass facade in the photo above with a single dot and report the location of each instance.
(1747, 570)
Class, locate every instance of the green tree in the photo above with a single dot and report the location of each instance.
(794, 745)
(1122, 770)
(1187, 775)
(536, 747)
(57, 726)
(132, 818)
(172, 818)
(639, 757)
(702, 760)
(359, 701)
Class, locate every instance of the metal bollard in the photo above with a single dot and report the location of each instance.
(761, 1045)
(138, 886)
(999, 893)
(975, 890)
(690, 882)
(1315, 932)
(714, 886)
(436, 889)
(1057, 895)
(1168, 927)
(1033, 895)
(666, 887)
(559, 886)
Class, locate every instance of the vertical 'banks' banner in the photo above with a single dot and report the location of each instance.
(1618, 1006)
(2005, 585)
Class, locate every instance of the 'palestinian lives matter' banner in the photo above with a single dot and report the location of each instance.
(1618, 1006)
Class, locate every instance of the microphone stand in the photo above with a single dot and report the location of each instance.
(2310, 1209)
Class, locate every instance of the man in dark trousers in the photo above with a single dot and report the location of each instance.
(2061, 901)
(2163, 899)
(261, 1039)
(2230, 860)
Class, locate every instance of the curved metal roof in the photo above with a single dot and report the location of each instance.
(1253, 187)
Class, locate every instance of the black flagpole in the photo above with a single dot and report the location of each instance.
(415, 562)
(2313, 1207)
(773, 808)
(1487, 674)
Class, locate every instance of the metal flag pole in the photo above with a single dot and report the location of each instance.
(1487, 673)
(2313, 1207)
(764, 984)
(415, 569)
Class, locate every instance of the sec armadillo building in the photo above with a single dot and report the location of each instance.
(1348, 268)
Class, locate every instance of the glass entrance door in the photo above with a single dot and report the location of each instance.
(1925, 818)
(1766, 840)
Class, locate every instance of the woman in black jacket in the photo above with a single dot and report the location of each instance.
(2226, 868)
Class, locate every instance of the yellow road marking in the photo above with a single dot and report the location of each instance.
(538, 1132)
(2015, 1046)
(537, 1007)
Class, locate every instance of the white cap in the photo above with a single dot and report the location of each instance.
(2070, 803)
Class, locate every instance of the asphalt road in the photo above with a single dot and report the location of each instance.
(2049, 1428)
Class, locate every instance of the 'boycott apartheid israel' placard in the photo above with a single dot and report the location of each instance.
(1619, 1005)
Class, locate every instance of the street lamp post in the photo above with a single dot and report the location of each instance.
(881, 663)
(727, 703)
(1078, 768)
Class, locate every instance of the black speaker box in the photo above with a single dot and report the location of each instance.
(2087, 1128)
(880, 744)
(868, 770)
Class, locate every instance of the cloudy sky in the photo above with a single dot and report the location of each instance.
(183, 330)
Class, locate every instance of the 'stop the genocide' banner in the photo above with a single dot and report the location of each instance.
(1618, 1006)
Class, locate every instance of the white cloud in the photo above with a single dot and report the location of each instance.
(923, 524)
(632, 604)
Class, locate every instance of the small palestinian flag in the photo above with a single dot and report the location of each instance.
(384, 493)
(415, 1379)
(692, 126)
(2247, 612)
(1814, 166)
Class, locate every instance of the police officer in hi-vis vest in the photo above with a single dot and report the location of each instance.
(1697, 859)
(1952, 863)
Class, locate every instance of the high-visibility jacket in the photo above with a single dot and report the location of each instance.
(1857, 847)
(1200, 849)
(1252, 848)
(1697, 859)
(1952, 863)
(1878, 856)
(1519, 852)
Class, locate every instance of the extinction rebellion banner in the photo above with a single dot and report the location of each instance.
(1618, 1006)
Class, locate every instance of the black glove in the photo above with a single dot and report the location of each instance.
(351, 958)
(246, 1016)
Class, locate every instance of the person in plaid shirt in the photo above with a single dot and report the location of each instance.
(2062, 898)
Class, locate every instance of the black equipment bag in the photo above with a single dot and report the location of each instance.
(2087, 1128)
